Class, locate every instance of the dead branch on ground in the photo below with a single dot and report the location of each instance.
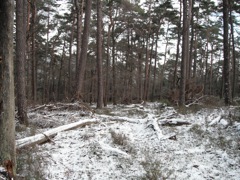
(44, 137)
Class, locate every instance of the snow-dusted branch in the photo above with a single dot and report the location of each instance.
(41, 138)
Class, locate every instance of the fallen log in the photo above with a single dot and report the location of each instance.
(43, 137)
(154, 125)
(64, 106)
(173, 122)
(152, 122)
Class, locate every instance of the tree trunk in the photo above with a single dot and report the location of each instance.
(233, 52)
(140, 97)
(7, 121)
(206, 54)
(164, 62)
(106, 94)
(79, 13)
(99, 55)
(211, 73)
(155, 67)
(177, 49)
(60, 79)
(34, 63)
(187, 6)
(147, 59)
(195, 51)
(69, 85)
(83, 57)
(185, 41)
(20, 60)
(226, 53)
(191, 45)
(114, 88)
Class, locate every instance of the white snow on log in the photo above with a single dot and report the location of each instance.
(40, 138)
(157, 129)
(152, 120)
(118, 118)
(215, 121)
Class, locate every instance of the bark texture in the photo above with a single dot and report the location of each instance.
(7, 123)
(20, 60)
(83, 57)
(226, 53)
(99, 55)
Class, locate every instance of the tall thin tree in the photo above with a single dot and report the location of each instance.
(83, 57)
(7, 105)
(234, 69)
(20, 60)
(79, 13)
(33, 50)
(226, 80)
(187, 5)
(99, 55)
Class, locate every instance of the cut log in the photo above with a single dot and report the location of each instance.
(41, 138)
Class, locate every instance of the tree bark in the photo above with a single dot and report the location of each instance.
(7, 105)
(114, 88)
(147, 60)
(177, 48)
(34, 63)
(60, 78)
(83, 57)
(99, 55)
(191, 44)
(110, 28)
(234, 68)
(79, 14)
(69, 89)
(226, 53)
(164, 62)
(155, 66)
(187, 5)
(20, 60)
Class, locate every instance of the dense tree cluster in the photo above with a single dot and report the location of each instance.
(142, 49)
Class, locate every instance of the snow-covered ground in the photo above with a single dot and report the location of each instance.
(150, 141)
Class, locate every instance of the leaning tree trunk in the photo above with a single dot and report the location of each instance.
(7, 123)
(20, 60)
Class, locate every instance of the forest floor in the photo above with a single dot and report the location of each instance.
(150, 141)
